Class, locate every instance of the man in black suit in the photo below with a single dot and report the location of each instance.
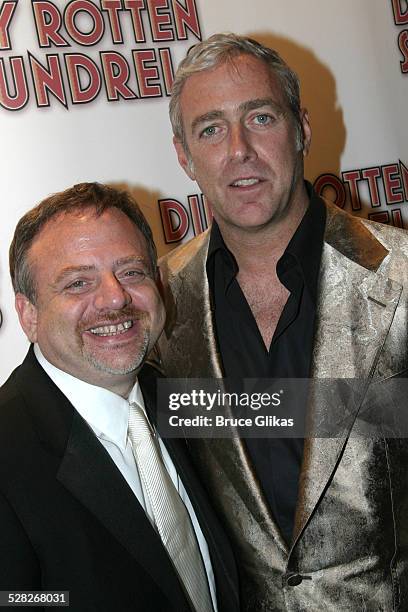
(77, 510)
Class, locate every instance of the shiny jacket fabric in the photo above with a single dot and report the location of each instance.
(350, 545)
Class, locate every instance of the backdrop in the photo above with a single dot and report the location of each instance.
(84, 89)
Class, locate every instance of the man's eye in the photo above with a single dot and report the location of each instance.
(211, 130)
(136, 275)
(77, 284)
(263, 119)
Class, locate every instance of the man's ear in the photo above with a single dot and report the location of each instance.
(306, 131)
(184, 159)
(27, 314)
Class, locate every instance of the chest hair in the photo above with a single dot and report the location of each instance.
(266, 297)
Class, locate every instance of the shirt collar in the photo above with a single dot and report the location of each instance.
(105, 412)
(217, 244)
(306, 244)
(304, 248)
(218, 250)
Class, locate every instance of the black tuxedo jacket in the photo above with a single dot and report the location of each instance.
(68, 519)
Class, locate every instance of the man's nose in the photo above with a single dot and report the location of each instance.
(240, 143)
(111, 294)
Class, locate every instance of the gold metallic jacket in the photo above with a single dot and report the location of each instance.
(350, 544)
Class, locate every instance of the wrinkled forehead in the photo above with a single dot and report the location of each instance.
(232, 83)
(60, 221)
(85, 219)
(231, 64)
(72, 233)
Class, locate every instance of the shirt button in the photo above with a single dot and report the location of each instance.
(294, 579)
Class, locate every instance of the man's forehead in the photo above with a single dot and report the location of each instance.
(65, 218)
(233, 68)
(233, 77)
(86, 228)
(79, 217)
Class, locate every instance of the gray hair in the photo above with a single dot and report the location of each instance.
(75, 199)
(220, 48)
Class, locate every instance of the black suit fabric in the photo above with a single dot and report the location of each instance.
(68, 519)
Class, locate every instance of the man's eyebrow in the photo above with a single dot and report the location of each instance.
(70, 270)
(210, 116)
(259, 103)
(129, 259)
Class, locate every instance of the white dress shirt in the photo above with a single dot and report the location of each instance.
(107, 414)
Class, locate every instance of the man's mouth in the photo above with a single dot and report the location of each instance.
(111, 330)
(245, 182)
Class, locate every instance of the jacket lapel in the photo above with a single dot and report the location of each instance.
(183, 312)
(355, 309)
(88, 472)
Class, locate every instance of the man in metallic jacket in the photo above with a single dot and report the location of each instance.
(286, 284)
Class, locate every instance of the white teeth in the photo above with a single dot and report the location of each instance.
(112, 330)
(245, 182)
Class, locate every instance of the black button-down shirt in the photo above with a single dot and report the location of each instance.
(244, 355)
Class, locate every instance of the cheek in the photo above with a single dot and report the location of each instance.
(61, 317)
(52, 330)
(47, 317)
(208, 161)
(208, 178)
(148, 300)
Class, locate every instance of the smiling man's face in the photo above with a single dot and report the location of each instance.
(97, 311)
(242, 142)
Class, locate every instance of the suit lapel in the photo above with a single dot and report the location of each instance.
(355, 309)
(90, 475)
(229, 456)
(184, 308)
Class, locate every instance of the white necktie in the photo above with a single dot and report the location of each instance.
(170, 515)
